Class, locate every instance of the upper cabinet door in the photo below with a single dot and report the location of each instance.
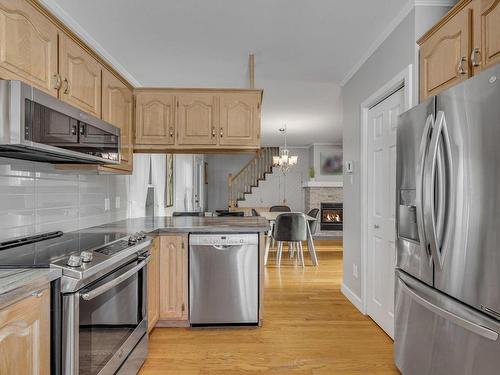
(28, 46)
(155, 115)
(444, 56)
(486, 48)
(81, 77)
(239, 120)
(117, 110)
(197, 116)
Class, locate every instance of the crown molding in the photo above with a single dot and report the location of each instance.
(74, 26)
(410, 5)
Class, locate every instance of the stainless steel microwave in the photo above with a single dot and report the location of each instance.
(36, 126)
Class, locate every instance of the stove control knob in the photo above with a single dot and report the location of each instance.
(132, 240)
(142, 234)
(74, 261)
(86, 256)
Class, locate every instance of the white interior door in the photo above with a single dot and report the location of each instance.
(382, 123)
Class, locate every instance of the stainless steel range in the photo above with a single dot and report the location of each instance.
(102, 297)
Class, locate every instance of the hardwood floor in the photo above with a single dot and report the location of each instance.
(309, 329)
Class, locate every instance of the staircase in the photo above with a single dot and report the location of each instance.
(249, 176)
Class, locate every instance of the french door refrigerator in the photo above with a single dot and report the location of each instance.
(447, 306)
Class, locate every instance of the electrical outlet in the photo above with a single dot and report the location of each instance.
(117, 202)
(106, 204)
(355, 270)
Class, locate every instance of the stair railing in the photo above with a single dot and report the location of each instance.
(242, 182)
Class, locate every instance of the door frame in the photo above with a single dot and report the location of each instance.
(403, 79)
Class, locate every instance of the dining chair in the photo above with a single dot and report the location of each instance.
(280, 209)
(188, 213)
(313, 225)
(290, 227)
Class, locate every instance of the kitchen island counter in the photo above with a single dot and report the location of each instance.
(185, 224)
(16, 284)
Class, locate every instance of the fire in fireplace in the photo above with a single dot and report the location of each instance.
(332, 216)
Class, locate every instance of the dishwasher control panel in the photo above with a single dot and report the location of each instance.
(224, 239)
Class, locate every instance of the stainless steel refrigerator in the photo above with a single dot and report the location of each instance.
(447, 311)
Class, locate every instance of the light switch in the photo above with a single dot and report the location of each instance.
(349, 167)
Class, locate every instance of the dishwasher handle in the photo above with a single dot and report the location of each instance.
(224, 247)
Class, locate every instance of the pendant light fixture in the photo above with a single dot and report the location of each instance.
(284, 161)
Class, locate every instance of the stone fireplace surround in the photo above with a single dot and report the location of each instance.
(314, 195)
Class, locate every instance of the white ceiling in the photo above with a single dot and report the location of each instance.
(303, 50)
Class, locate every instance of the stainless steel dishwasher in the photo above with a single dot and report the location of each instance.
(223, 279)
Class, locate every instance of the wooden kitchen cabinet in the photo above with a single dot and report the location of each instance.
(25, 336)
(155, 118)
(239, 120)
(197, 119)
(173, 278)
(154, 285)
(486, 46)
(81, 77)
(463, 43)
(444, 56)
(117, 110)
(28, 46)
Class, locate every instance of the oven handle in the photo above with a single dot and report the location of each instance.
(104, 288)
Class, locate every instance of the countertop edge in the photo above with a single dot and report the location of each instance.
(17, 284)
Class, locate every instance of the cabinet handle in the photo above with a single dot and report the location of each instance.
(461, 69)
(38, 293)
(67, 87)
(473, 57)
(57, 81)
(213, 132)
(82, 129)
(73, 130)
(171, 132)
(183, 307)
(221, 133)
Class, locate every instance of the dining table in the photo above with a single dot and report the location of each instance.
(271, 217)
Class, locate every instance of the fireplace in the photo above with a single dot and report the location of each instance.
(332, 216)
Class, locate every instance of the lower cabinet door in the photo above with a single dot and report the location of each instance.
(25, 336)
(173, 278)
(154, 286)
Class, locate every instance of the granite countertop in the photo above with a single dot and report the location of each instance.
(16, 284)
(185, 224)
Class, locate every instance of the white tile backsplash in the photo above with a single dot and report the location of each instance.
(35, 198)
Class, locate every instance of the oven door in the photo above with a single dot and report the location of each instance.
(104, 321)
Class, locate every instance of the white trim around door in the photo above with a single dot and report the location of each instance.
(402, 80)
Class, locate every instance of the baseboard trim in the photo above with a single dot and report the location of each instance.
(352, 297)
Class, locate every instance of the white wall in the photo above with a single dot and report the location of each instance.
(395, 54)
(36, 198)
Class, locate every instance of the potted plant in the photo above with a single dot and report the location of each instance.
(312, 174)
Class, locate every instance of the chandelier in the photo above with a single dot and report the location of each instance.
(284, 161)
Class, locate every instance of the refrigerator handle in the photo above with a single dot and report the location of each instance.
(419, 201)
(445, 314)
(438, 246)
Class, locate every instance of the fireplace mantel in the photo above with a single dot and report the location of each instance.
(318, 184)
